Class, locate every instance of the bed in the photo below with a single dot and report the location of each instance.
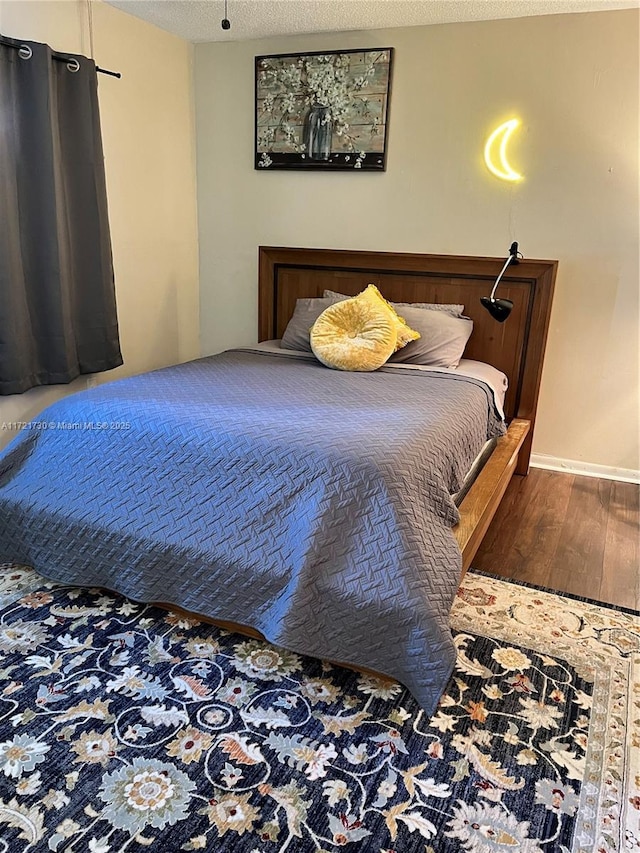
(277, 497)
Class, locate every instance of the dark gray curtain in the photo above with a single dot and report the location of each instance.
(57, 299)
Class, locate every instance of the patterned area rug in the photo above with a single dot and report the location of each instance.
(124, 727)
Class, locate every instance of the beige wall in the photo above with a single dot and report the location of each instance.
(148, 132)
(573, 80)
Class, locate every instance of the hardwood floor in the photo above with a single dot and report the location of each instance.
(573, 534)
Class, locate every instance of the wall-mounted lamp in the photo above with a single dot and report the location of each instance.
(495, 152)
(501, 308)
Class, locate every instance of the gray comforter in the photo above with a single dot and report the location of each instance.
(311, 504)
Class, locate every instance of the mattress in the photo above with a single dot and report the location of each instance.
(475, 468)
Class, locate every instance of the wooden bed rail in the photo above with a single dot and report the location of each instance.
(483, 498)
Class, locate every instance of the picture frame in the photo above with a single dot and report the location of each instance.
(325, 110)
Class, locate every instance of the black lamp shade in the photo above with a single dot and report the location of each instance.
(498, 308)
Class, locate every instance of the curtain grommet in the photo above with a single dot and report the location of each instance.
(73, 65)
(25, 52)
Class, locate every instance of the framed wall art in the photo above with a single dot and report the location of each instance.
(323, 110)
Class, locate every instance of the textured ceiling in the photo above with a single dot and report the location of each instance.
(199, 20)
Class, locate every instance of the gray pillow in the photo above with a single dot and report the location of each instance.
(443, 338)
(307, 311)
(449, 308)
(443, 335)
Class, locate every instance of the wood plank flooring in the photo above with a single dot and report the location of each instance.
(573, 534)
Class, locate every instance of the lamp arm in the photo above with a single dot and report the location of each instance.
(502, 272)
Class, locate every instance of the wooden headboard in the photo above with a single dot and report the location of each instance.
(516, 346)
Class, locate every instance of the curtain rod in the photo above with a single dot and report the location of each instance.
(59, 57)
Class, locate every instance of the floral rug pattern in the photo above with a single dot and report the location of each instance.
(124, 726)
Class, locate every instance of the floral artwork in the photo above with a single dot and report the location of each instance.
(323, 110)
(124, 728)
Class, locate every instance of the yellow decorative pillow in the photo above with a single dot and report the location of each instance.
(359, 333)
(405, 334)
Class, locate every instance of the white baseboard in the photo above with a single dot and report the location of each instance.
(584, 469)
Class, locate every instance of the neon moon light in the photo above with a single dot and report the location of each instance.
(495, 151)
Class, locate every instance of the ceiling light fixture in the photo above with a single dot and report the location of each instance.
(225, 23)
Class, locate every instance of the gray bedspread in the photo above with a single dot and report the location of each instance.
(311, 504)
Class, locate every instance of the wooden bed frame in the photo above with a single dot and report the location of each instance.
(516, 347)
